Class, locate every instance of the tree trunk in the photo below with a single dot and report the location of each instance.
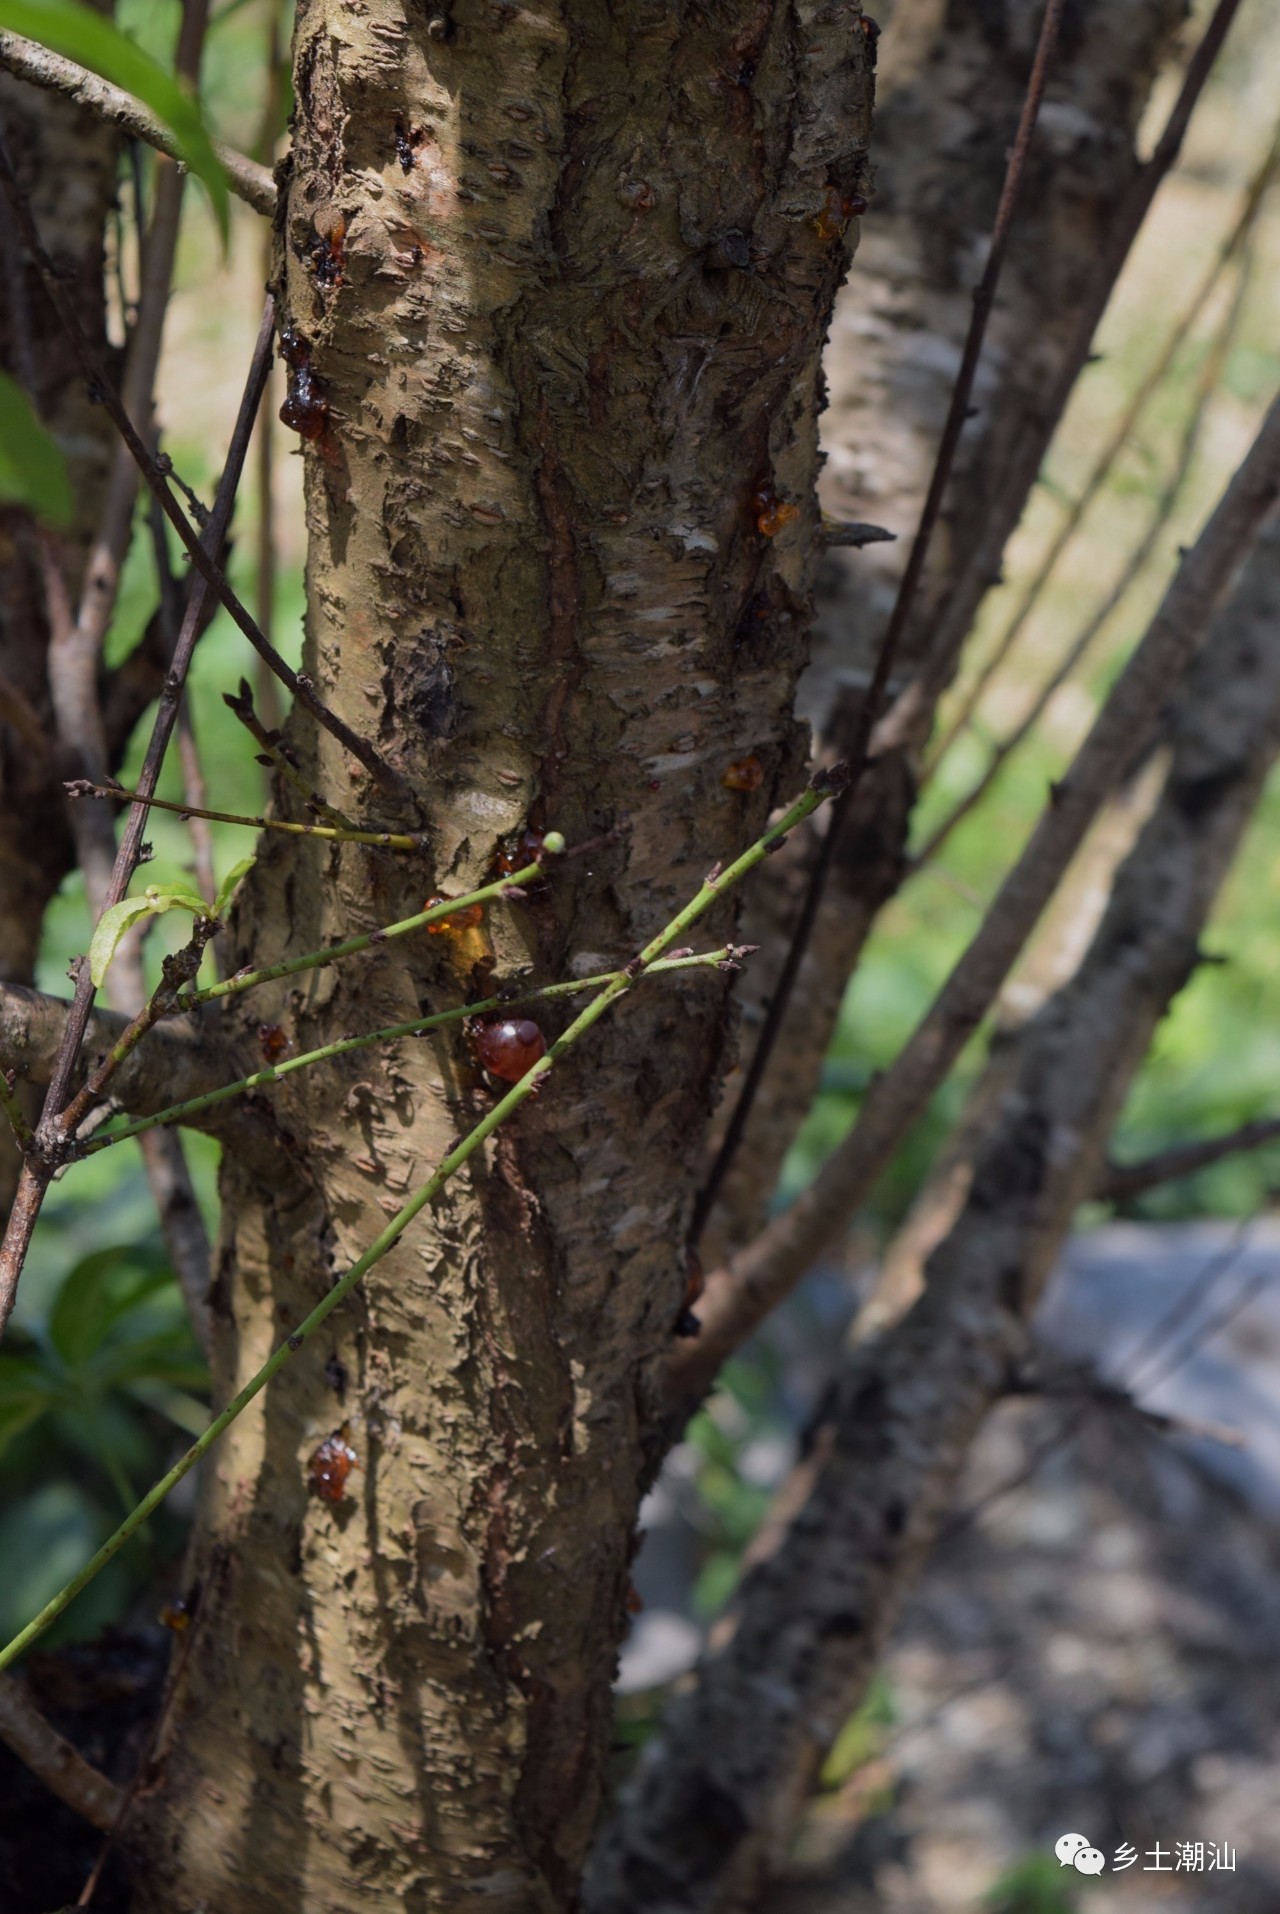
(719, 1790)
(558, 283)
(951, 86)
(67, 163)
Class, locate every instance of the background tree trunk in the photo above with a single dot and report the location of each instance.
(67, 163)
(558, 283)
(950, 85)
(720, 1788)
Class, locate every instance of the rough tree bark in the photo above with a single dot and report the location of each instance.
(558, 281)
(950, 87)
(721, 1787)
(67, 163)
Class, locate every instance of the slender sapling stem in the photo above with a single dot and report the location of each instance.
(336, 833)
(823, 786)
(272, 1073)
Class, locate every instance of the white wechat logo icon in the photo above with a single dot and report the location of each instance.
(1076, 1850)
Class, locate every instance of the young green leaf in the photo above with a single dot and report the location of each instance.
(89, 38)
(108, 931)
(162, 897)
(121, 917)
(226, 889)
(33, 471)
(26, 1392)
(104, 1289)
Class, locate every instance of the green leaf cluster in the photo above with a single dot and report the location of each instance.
(119, 918)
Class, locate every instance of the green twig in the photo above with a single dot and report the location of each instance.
(272, 1073)
(713, 888)
(337, 833)
(553, 844)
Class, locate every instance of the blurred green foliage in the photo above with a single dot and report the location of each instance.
(1038, 1885)
(94, 1399)
(33, 470)
(862, 1736)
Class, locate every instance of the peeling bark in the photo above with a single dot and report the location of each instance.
(721, 1787)
(558, 281)
(951, 85)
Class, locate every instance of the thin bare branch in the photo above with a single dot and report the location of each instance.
(1025, 456)
(52, 1759)
(899, 617)
(272, 122)
(335, 833)
(275, 752)
(1207, 385)
(1120, 1182)
(35, 1175)
(739, 1296)
(28, 60)
(1232, 246)
(155, 475)
(720, 1787)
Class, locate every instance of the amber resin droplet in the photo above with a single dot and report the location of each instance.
(517, 853)
(331, 1464)
(273, 1041)
(837, 210)
(509, 1047)
(744, 774)
(305, 411)
(771, 512)
(465, 919)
